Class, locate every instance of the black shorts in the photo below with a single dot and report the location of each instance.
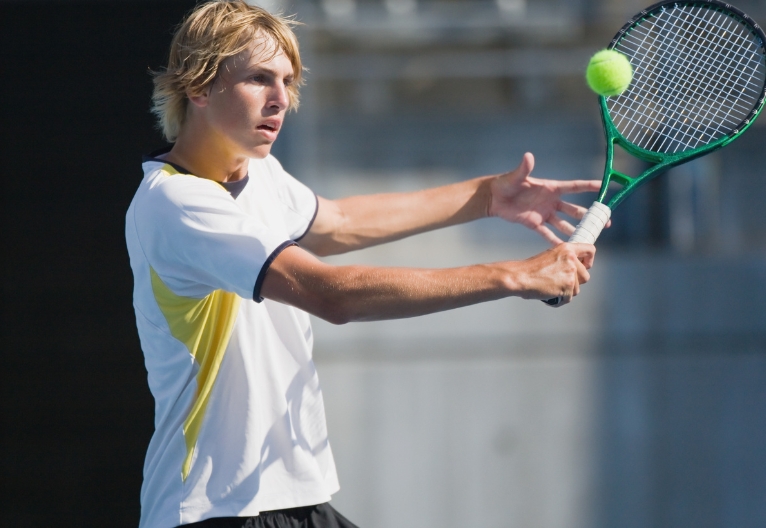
(319, 516)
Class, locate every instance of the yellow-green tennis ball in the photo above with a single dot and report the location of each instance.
(609, 73)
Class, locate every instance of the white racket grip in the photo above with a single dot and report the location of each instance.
(587, 231)
(591, 225)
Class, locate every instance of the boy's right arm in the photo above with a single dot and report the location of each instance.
(341, 294)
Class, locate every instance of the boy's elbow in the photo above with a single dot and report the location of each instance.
(335, 316)
(337, 320)
(335, 312)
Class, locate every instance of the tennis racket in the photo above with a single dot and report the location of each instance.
(699, 81)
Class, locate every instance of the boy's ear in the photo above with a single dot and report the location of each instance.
(199, 98)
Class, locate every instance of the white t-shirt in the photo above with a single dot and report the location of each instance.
(239, 418)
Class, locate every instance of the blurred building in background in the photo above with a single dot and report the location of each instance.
(641, 404)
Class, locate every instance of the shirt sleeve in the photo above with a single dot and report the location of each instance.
(198, 240)
(300, 204)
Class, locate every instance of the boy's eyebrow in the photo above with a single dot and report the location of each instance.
(270, 71)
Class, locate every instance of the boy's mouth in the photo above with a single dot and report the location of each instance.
(269, 126)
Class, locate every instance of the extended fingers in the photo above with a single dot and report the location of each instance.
(577, 186)
(548, 235)
(561, 224)
(576, 211)
(573, 210)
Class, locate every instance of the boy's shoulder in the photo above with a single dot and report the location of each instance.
(165, 184)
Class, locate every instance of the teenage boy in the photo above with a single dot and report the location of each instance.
(223, 290)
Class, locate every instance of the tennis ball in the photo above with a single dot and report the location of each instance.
(609, 73)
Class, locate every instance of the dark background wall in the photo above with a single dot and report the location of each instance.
(76, 411)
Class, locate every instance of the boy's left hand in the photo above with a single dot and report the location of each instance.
(518, 197)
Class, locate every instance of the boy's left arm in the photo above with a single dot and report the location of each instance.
(362, 221)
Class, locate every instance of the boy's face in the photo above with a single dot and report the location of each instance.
(247, 102)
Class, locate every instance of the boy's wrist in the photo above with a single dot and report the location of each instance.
(484, 195)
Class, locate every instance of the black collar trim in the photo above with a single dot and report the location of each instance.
(233, 188)
(152, 156)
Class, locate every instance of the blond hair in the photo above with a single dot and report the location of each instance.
(213, 32)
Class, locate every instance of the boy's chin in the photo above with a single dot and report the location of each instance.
(261, 151)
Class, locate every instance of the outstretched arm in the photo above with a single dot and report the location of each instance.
(362, 221)
(341, 294)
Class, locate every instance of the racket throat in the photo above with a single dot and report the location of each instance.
(610, 173)
(622, 179)
(627, 184)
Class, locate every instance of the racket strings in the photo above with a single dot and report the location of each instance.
(746, 74)
(665, 107)
(698, 79)
(688, 55)
(698, 74)
(667, 49)
(702, 75)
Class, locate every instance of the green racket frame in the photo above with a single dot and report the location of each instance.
(662, 162)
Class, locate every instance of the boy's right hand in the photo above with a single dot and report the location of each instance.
(557, 272)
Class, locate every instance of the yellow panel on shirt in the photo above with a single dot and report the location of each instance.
(204, 326)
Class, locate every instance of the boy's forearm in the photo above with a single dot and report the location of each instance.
(341, 294)
(362, 221)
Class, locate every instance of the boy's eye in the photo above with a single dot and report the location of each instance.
(262, 78)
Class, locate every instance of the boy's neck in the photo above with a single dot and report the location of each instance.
(207, 160)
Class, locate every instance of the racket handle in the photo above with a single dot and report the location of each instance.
(587, 231)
